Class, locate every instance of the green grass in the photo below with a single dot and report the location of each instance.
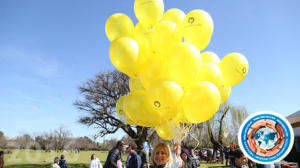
(204, 165)
(45, 166)
(212, 165)
(39, 158)
(42, 159)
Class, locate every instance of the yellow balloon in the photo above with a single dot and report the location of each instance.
(180, 117)
(210, 57)
(143, 36)
(135, 84)
(149, 12)
(164, 36)
(164, 97)
(183, 63)
(124, 54)
(175, 15)
(167, 131)
(154, 69)
(136, 105)
(201, 43)
(118, 25)
(197, 28)
(212, 73)
(201, 101)
(144, 56)
(234, 67)
(225, 93)
(121, 112)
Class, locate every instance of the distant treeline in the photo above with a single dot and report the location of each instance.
(60, 139)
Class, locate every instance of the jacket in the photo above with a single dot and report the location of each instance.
(63, 164)
(134, 161)
(144, 158)
(113, 156)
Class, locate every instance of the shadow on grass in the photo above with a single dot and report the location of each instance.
(79, 165)
(217, 166)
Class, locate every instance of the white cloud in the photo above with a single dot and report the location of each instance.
(32, 60)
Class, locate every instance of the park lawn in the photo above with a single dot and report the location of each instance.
(212, 165)
(205, 165)
(39, 158)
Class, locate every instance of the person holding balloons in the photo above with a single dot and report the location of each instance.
(178, 163)
(161, 156)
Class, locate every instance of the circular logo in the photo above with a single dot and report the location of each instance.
(244, 70)
(191, 20)
(266, 137)
(157, 104)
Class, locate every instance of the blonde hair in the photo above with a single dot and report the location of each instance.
(165, 147)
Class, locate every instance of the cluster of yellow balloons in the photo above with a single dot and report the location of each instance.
(171, 81)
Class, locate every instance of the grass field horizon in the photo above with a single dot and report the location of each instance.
(26, 158)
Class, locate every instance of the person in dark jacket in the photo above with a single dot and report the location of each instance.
(63, 163)
(230, 156)
(114, 155)
(225, 151)
(134, 160)
(144, 157)
(1, 159)
(188, 162)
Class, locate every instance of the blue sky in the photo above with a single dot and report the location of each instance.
(49, 48)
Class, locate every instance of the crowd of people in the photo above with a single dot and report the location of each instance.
(161, 157)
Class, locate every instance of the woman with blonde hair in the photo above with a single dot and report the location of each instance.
(161, 156)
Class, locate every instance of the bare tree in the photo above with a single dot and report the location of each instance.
(128, 140)
(217, 125)
(109, 144)
(85, 143)
(3, 140)
(201, 134)
(100, 97)
(50, 138)
(237, 114)
(41, 142)
(24, 142)
(61, 136)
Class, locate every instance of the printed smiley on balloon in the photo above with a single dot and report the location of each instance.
(197, 28)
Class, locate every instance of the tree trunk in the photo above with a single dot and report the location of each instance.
(214, 156)
(216, 144)
(141, 136)
(221, 156)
